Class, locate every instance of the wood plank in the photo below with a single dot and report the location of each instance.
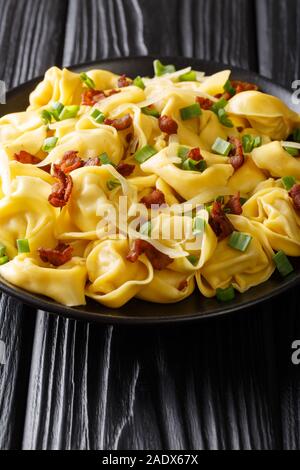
(30, 37)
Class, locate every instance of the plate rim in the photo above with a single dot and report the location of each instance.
(54, 308)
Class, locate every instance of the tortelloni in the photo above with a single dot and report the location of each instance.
(113, 188)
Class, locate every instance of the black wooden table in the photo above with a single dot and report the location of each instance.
(221, 384)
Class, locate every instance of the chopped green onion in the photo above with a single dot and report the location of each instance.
(46, 116)
(198, 226)
(190, 112)
(4, 260)
(222, 147)
(69, 112)
(243, 200)
(239, 241)
(193, 259)
(220, 199)
(112, 184)
(160, 69)
(87, 80)
(250, 142)
(49, 144)
(138, 81)
(224, 119)
(292, 151)
(288, 182)
(219, 105)
(296, 135)
(229, 88)
(2, 250)
(104, 159)
(23, 245)
(145, 153)
(225, 295)
(98, 116)
(183, 152)
(188, 77)
(150, 111)
(283, 264)
(208, 208)
(194, 165)
(146, 229)
(56, 109)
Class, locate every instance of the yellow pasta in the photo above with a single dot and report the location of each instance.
(155, 188)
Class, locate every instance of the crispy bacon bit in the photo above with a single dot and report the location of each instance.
(236, 155)
(123, 81)
(26, 157)
(240, 86)
(218, 221)
(58, 256)
(167, 125)
(70, 161)
(195, 154)
(158, 260)
(92, 162)
(205, 103)
(157, 197)
(295, 195)
(91, 97)
(111, 92)
(61, 191)
(121, 123)
(125, 169)
(234, 204)
(183, 285)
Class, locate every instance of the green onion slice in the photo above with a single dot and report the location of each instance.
(225, 295)
(188, 77)
(49, 144)
(183, 152)
(219, 105)
(222, 147)
(104, 159)
(145, 153)
(250, 142)
(150, 111)
(190, 112)
(292, 151)
(146, 229)
(87, 80)
(4, 260)
(2, 250)
(69, 112)
(194, 165)
(98, 116)
(224, 119)
(138, 81)
(56, 109)
(239, 241)
(112, 184)
(229, 88)
(23, 245)
(160, 69)
(193, 259)
(198, 226)
(283, 264)
(46, 116)
(288, 182)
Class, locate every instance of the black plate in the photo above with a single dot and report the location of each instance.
(138, 311)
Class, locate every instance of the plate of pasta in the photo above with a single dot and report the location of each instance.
(145, 190)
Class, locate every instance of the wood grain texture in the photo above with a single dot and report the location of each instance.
(219, 384)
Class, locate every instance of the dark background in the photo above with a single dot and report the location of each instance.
(221, 384)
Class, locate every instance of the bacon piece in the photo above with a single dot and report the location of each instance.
(295, 195)
(123, 81)
(120, 123)
(61, 191)
(167, 125)
(157, 197)
(91, 97)
(57, 256)
(26, 157)
(111, 92)
(158, 260)
(70, 161)
(234, 205)
(125, 169)
(236, 155)
(195, 154)
(205, 103)
(218, 221)
(183, 285)
(240, 86)
(92, 162)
